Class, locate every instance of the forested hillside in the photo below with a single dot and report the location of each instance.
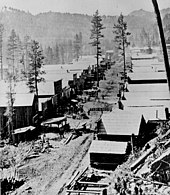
(57, 31)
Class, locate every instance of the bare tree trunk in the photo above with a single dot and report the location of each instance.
(36, 84)
(166, 60)
(1, 34)
(124, 59)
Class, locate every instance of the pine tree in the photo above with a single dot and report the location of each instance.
(77, 47)
(62, 53)
(143, 37)
(56, 54)
(1, 41)
(81, 43)
(12, 51)
(9, 113)
(49, 55)
(18, 56)
(35, 63)
(25, 54)
(70, 51)
(96, 36)
(121, 34)
(166, 24)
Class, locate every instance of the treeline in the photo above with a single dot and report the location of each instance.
(51, 29)
(145, 38)
(65, 51)
(65, 37)
(16, 51)
(166, 22)
(15, 54)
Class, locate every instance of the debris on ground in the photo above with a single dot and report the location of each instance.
(148, 171)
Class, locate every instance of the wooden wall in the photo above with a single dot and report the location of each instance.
(106, 161)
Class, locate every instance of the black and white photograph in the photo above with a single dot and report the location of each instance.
(84, 97)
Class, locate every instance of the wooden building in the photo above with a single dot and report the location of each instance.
(120, 125)
(24, 110)
(107, 154)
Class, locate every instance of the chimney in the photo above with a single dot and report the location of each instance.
(156, 113)
(167, 113)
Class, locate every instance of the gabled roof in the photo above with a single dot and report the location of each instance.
(150, 95)
(147, 76)
(108, 147)
(122, 122)
(21, 100)
(151, 113)
(145, 69)
(146, 103)
(161, 87)
(143, 56)
(20, 87)
(145, 63)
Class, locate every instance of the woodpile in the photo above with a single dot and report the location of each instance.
(87, 182)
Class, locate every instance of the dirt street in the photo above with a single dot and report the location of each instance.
(49, 173)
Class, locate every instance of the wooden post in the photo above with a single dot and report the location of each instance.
(132, 143)
(166, 60)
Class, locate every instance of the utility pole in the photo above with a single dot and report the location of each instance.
(165, 54)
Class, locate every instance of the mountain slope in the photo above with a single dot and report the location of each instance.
(51, 27)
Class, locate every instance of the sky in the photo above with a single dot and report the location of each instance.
(105, 7)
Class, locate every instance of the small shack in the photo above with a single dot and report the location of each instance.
(24, 134)
(107, 154)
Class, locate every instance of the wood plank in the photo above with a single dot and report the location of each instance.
(85, 191)
(93, 183)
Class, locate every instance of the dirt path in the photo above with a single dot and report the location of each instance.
(53, 171)
(79, 162)
(49, 173)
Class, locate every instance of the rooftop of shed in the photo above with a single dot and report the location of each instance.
(108, 147)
